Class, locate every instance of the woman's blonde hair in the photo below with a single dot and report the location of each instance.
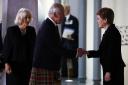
(23, 14)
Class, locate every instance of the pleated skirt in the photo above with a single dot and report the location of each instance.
(41, 76)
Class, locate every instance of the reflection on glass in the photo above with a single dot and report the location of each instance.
(43, 7)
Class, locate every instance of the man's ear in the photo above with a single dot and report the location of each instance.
(55, 15)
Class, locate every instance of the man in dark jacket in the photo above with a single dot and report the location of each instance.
(49, 50)
(70, 34)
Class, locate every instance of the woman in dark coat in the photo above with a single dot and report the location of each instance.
(18, 49)
(110, 49)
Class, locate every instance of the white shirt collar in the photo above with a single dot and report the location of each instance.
(106, 27)
(67, 16)
(104, 30)
(52, 21)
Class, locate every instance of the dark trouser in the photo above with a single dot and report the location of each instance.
(20, 75)
(64, 69)
(117, 77)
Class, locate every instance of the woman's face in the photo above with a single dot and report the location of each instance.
(101, 22)
(24, 24)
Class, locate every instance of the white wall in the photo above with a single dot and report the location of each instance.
(0, 10)
(43, 7)
(74, 5)
(120, 8)
(90, 37)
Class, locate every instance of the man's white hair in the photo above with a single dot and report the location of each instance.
(56, 8)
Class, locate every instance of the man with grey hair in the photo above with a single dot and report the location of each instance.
(70, 35)
(48, 49)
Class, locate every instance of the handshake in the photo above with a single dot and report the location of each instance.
(81, 52)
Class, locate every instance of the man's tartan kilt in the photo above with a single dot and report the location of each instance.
(41, 76)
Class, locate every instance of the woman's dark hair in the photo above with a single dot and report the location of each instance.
(106, 13)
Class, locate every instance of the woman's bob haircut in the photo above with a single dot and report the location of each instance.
(23, 14)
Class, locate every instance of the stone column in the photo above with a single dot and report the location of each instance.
(82, 39)
(93, 40)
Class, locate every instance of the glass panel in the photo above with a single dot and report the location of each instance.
(43, 7)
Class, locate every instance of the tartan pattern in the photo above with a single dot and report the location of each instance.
(42, 77)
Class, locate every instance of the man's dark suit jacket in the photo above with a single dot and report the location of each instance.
(110, 54)
(71, 44)
(72, 24)
(48, 49)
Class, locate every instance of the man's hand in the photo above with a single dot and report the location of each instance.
(80, 52)
(8, 69)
